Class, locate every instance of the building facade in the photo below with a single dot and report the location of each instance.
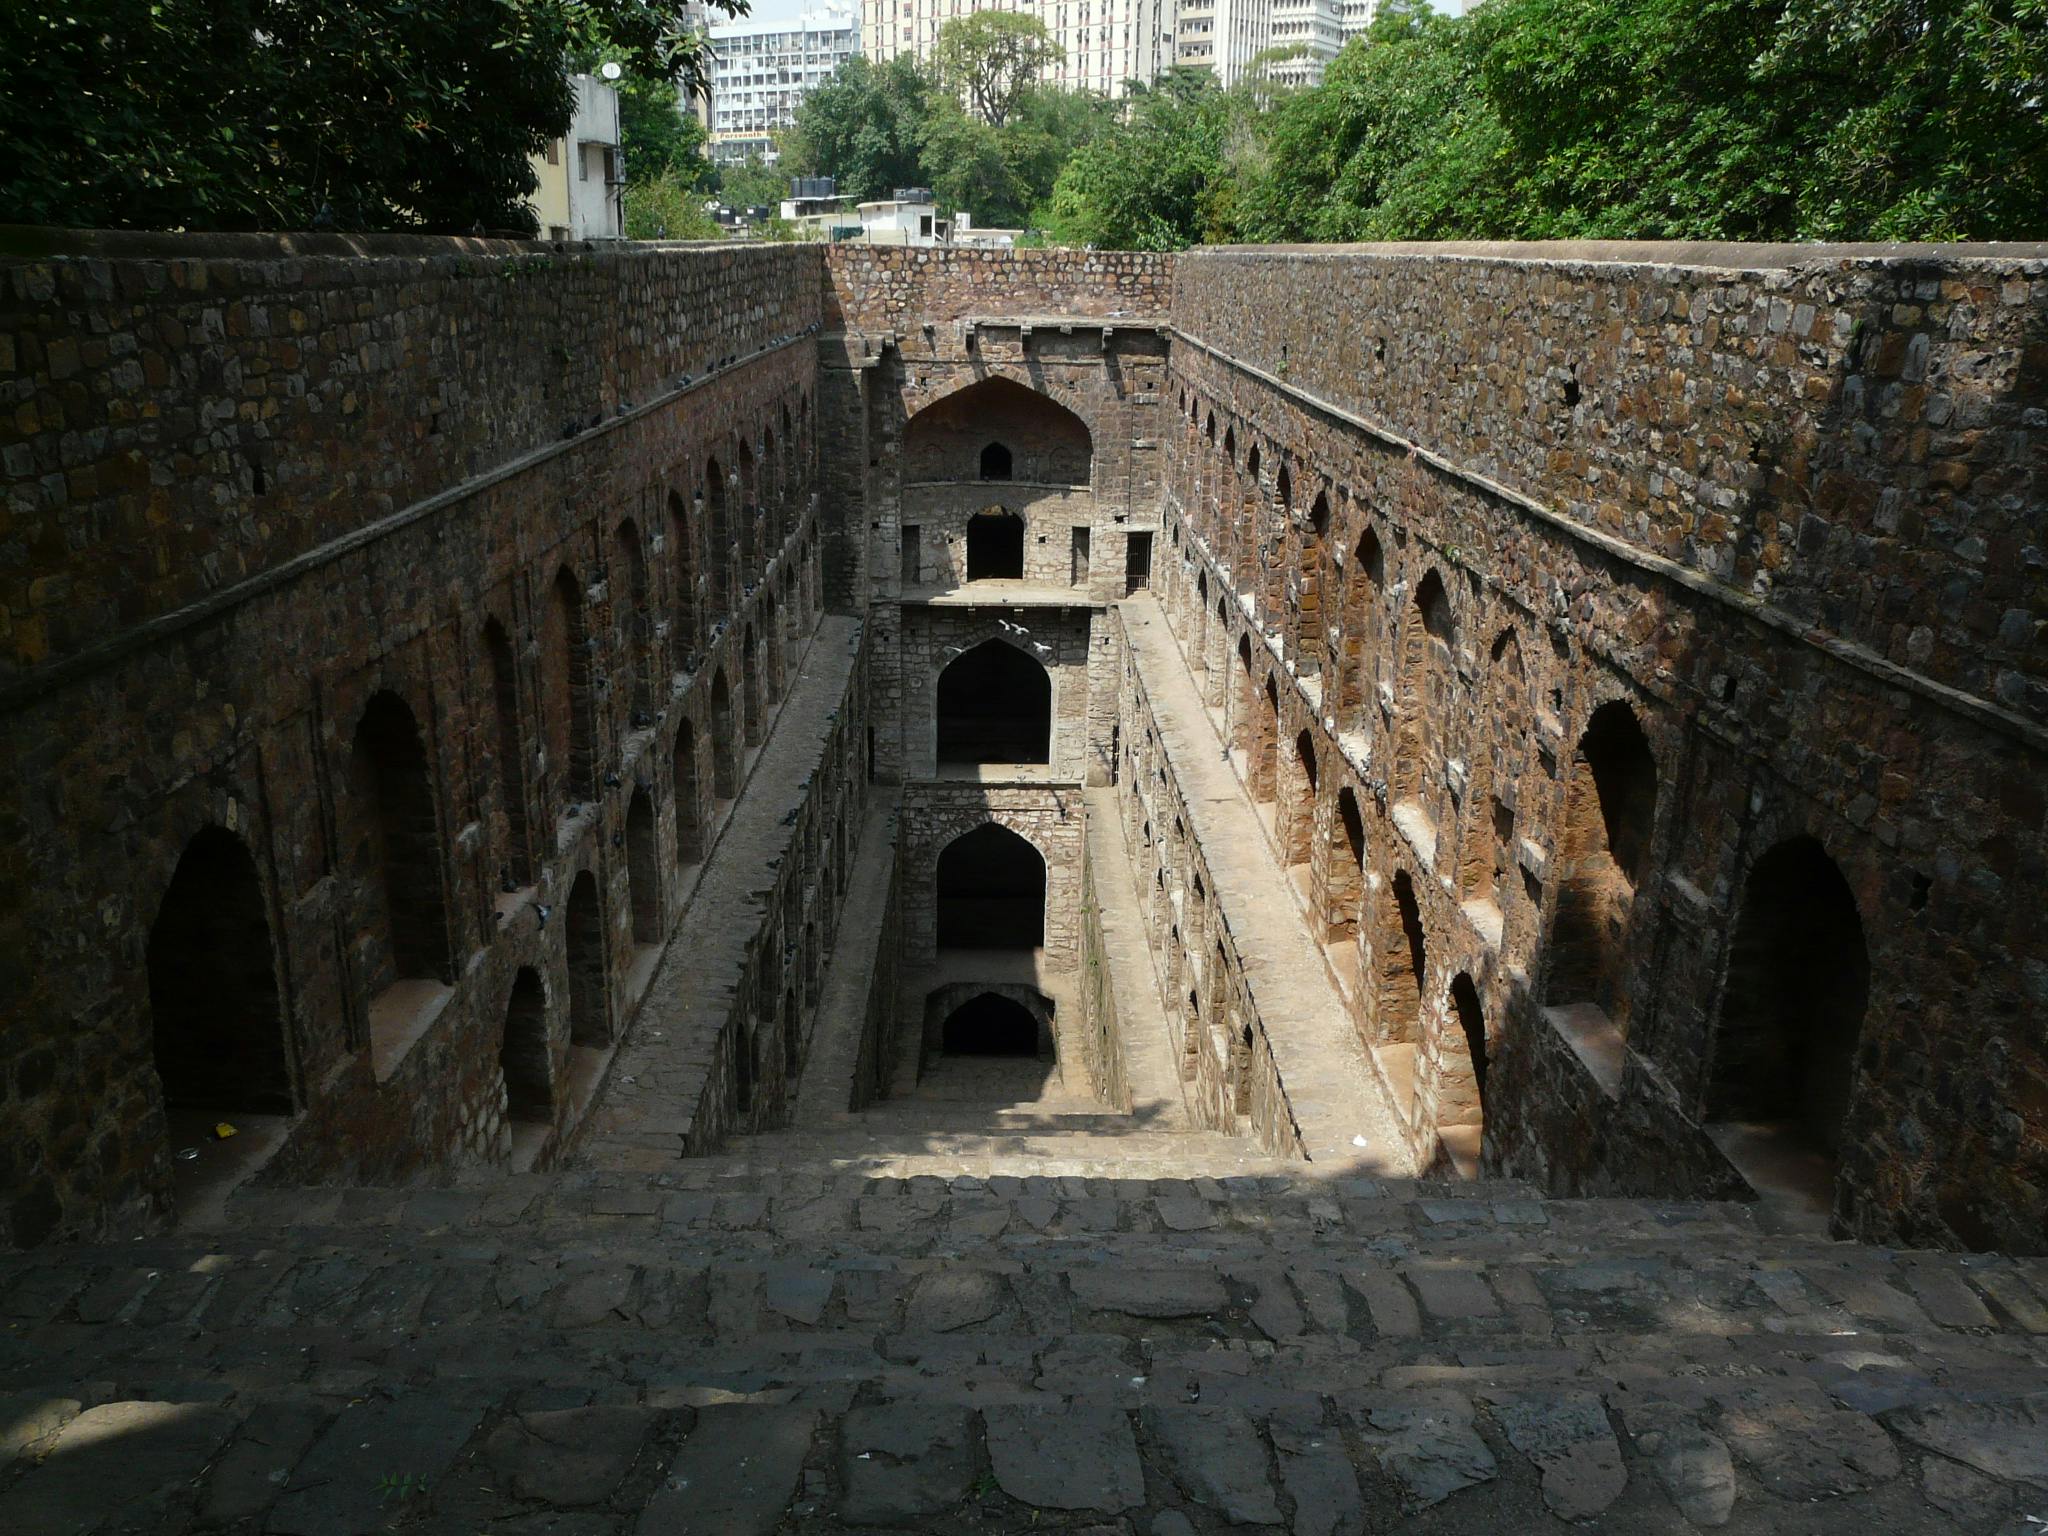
(760, 71)
(1311, 31)
(1107, 43)
(583, 175)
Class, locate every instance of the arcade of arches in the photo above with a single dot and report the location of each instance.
(1074, 659)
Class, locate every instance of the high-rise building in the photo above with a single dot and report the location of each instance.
(1222, 36)
(760, 70)
(1106, 42)
(1313, 32)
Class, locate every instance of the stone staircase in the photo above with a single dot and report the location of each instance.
(773, 1340)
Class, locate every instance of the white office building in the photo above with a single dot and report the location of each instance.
(1222, 36)
(1106, 42)
(1313, 32)
(761, 70)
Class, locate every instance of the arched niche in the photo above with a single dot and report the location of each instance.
(1046, 442)
(994, 705)
(990, 891)
(216, 1021)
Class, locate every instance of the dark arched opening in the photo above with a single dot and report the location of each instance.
(509, 754)
(589, 993)
(1461, 1079)
(399, 857)
(1610, 810)
(689, 796)
(990, 1025)
(718, 534)
(523, 1053)
(995, 462)
(995, 546)
(634, 612)
(1792, 1014)
(566, 686)
(994, 706)
(215, 1018)
(991, 891)
(642, 868)
(1402, 961)
(725, 768)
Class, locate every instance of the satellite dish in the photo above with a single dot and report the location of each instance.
(610, 70)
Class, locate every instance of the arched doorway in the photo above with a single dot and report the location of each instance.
(990, 891)
(1792, 1010)
(589, 984)
(994, 706)
(1610, 810)
(523, 1052)
(642, 868)
(725, 768)
(990, 1025)
(752, 725)
(1461, 1079)
(635, 619)
(509, 753)
(995, 462)
(995, 546)
(689, 797)
(216, 1022)
(398, 855)
(1402, 961)
(566, 687)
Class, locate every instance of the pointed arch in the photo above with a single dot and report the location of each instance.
(1046, 442)
(216, 1017)
(1603, 853)
(990, 891)
(993, 704)
(689, 795)
(589, 971)
(398, 858)
(524, 1059)
(566, 688)
(725, 762)
(682, 532)
(721, 549)
(643, 868)
(635, 616)
(1792, 1009)
(507, 751)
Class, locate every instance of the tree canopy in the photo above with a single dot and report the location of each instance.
(295, 114)
(1625, 119)
(992, 58)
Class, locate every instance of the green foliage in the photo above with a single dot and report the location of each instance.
(658, 135)
(1150, 181)
(991, 58)
(863, 126)
(667, 206)
(1621, 119)
(292, 114)
(752, 184)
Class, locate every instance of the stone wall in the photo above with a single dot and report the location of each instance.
(876, 290)
(1455, 506)
(407, 559)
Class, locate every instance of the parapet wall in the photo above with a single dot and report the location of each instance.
(1849, 437)
(879, 289)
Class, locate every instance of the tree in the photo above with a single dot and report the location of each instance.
(667, 206)
(1149, 182)
(993, 57)
(295, 114)
(658, 136)
(863, 126)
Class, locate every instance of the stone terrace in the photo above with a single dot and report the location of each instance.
(753, 1348)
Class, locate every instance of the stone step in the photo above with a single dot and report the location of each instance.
(950, 1355)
